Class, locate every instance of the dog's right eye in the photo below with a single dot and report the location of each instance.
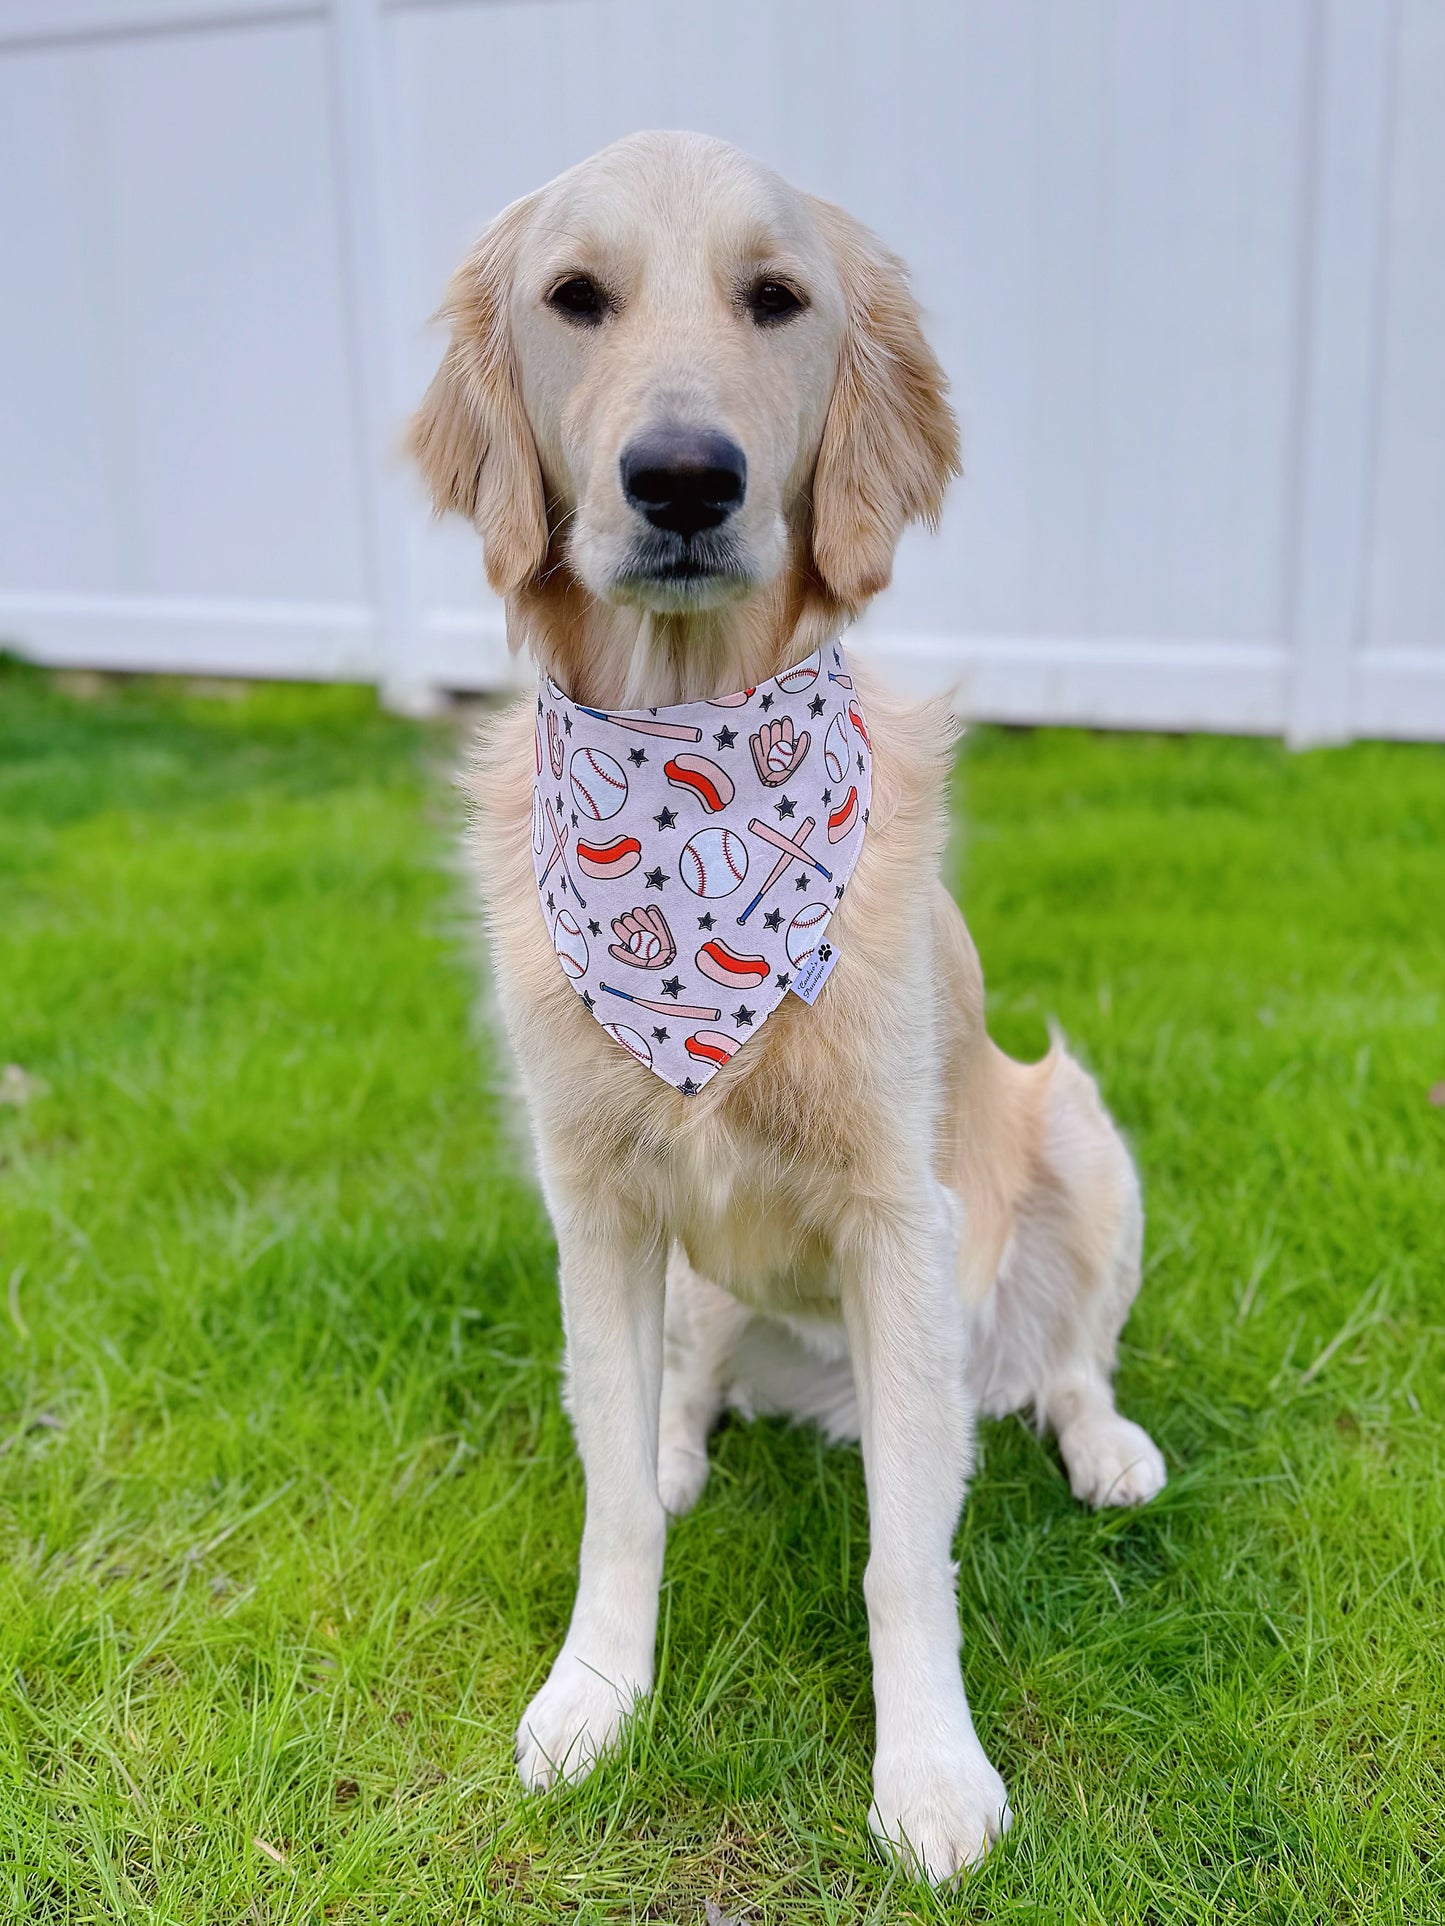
(579, 299)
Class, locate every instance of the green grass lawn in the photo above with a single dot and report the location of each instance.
(289, 1507)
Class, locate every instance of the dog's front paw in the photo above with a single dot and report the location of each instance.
(1111, 1462)
(572, 1721)
(938, 1813)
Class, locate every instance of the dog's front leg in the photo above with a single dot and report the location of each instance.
(938, 1804)
(612, 1296)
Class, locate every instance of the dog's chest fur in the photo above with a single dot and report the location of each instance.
(761, 1175)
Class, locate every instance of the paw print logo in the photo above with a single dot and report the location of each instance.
(825, 952)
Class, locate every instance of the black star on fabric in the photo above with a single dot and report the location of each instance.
(815, 707)
(589, 999)
(637, 757)
(660, 1034)
(839, 890)
(656, 879)
(672, 986)
(803, 881)
(666, 818)
(827, 799)
(743, 1017)
(785, 807)
(866, 814)
(550, 904)
(725, 737)
(560, 804)
(860, 763)
(767, 702)
(594, 926)
(688, 1087)
(783, 981)
(774, 919)
(706, 922)
(574, 818)
(567, 724)
(539, 705)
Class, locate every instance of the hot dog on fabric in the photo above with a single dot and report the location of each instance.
(689, 858)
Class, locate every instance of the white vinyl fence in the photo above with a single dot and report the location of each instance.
(1185, 260)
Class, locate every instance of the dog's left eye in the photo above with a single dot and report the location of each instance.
(772, 301)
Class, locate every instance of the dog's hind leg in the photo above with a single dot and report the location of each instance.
(700, 1328)
(1046, 1336)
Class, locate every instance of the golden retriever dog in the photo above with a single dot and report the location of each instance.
(689, 411)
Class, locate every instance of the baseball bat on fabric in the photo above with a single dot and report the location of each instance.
(794, 849)
(805, 829)
(691, 1011)
(641, 726)
(559, 836)
(556, 856)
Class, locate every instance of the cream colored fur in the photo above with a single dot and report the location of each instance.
(871, 1217)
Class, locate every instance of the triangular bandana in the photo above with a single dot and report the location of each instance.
(688, 858)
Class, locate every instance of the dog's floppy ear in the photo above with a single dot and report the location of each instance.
(470, 436)
(890, 443)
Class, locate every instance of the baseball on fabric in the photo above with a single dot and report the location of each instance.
(801, 676)
(599, 787)
(805, 930)
(641, 943)
(635, 1044)
(570, 944)
(836, 753)
(714, 862)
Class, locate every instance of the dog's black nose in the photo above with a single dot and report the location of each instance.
(684, 479)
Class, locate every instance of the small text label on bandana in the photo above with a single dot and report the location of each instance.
(815, 972)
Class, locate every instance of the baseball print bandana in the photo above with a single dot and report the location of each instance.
(688, 858)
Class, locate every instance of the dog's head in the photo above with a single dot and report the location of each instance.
(672, 377)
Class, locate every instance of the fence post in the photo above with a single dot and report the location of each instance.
(365, 178)
(1352, 86)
